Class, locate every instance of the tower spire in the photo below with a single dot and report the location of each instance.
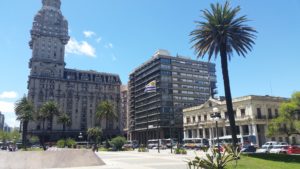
(52, 3)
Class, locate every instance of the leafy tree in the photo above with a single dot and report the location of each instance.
(223, 32)
(65, 120)
(47, 112)
(288, 121)
(105, 110)
(94, 134)
(34, 139)
(118, 142)
(24, 111)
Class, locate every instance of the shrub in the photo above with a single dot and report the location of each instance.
(180, 151)
(118, 142)
(214, 161)
(70, 143)
(61, 143)
(143, 149)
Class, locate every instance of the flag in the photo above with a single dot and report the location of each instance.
(150, 87)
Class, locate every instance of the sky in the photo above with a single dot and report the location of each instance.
(116, 36)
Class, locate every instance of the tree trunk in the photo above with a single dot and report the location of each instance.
(24, 134)
(224, 64)
(64, 131)
(43, 136)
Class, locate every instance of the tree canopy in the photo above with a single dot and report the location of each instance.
(288, 121)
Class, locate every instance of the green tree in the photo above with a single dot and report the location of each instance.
(105, 110)
(288, 121)
(47, 112)
(94, 134)
(24, 111)
(118, 142)
(223, 33)
(65, 120)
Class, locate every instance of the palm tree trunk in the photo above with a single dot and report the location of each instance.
(224, 64)
(24, 134)
(43, 135)
(64, 131)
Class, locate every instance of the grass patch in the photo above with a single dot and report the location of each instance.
(248, 162)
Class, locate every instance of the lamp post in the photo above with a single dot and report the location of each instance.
(216, 116)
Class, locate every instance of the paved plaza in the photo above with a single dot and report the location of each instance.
(147, 160)
(86, 159)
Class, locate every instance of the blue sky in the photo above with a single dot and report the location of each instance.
(116, 36)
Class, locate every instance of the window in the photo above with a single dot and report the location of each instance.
(258, 111)
(205, 117)
(270, 113)
(188, 120)
(199, 118)
(194, 119)
(243, 113)
(276, 113)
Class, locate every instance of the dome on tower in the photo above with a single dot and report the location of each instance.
(52, 3)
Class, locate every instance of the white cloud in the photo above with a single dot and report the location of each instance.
(98, 40)
(8, 95)
(89, 34)
(7, 107)
(114, 58)
(80, 48)
(109, 45)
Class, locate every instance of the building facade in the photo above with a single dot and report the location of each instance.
(252, 115)
(181, 82)
(77, 92)
(2, 120)
(124, 109)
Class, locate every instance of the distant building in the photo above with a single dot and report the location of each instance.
(124, 109)
(252, 115)
(181, 82)
(6, 128)
(2, 120)
(78, 92)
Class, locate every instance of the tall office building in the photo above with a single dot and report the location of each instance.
(2, 120)
(77, 92)
(181, 82)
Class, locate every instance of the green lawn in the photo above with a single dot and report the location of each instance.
(255, 163)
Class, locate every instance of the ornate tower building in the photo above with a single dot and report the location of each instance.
(77, 92)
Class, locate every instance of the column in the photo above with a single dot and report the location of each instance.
(241, 130)
(198, 133)
(224, 131)
(211, 136)
(184, 134)
(203, 132)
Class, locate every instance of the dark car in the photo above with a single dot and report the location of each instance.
(248, 149)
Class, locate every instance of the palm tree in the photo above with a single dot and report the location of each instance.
(65, 120)
(47, 111)
(94, 134)
(223, 32)
(24, 111)
(105, 110)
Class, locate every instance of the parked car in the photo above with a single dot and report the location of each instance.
(283, 143)
(293, 150)
(269, 144)
(279, 149)
(248, 149)
(263, 150)
(153, 144)
(131, 144)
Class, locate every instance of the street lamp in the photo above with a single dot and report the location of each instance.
(216, 116)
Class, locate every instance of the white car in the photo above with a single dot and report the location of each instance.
(269, 144)
(263, 150)
(279, 149)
